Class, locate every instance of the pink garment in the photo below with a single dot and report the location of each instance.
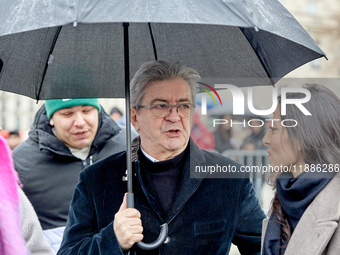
(11, 241)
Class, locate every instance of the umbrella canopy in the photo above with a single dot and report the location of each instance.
(55, 52)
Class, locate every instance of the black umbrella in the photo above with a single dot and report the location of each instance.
(71, 50)
(76, 49)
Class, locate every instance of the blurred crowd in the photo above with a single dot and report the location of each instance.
(226, 136)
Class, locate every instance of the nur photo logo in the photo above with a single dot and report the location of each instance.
(204, 97)
(238, 105)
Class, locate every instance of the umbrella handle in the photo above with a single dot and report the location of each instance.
(162, 235)
(160, 240)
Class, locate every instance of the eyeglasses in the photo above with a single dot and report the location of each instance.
(162, 110)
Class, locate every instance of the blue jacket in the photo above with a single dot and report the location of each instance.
(208, 213)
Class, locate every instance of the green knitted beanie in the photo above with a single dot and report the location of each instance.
(53, 105)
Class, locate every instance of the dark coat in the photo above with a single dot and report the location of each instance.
(207, 215)
(48, 170)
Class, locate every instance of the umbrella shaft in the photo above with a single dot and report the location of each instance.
(127, 107)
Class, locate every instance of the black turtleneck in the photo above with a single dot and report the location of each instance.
(165, 176)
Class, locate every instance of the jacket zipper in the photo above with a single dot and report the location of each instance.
(85, 163)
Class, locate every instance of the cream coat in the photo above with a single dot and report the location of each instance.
(31, 229)
(317, 232)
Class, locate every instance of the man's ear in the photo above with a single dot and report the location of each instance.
(134, 119)
(51, 122)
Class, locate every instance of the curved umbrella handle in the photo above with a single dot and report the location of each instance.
(162, 235)
(160, 240)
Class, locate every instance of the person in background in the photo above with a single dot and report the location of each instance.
(20, 230)
(67, 135)
(223, 135)
(201, 134)
(254, 140)
(304, 216)
(120, 119)
(14, 139)
(4, 133)
(204, 215)
(116, 114)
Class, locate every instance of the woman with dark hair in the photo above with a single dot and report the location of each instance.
(304, 215)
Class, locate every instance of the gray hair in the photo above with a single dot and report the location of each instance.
(161, 70)
(318, 134)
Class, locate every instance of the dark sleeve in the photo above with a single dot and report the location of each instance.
(81, 235)
(249, 222)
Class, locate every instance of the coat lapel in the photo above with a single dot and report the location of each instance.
(264, 228)
(150, 193)
(318, 223)
(188, 186)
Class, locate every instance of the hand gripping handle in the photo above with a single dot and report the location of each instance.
(162, 235)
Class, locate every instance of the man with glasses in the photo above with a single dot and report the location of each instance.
(204, 215)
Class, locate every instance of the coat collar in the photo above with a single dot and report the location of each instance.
(187, 187)
(318, 223)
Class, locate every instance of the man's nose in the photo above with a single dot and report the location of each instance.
(79, 120)
(173, 115)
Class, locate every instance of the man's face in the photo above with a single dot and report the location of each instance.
(76, 126)
(163, 137)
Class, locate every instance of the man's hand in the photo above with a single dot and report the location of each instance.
(127, 226)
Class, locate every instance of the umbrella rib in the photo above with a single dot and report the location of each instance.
(261, 61)
(153, 41)
(47, 60)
